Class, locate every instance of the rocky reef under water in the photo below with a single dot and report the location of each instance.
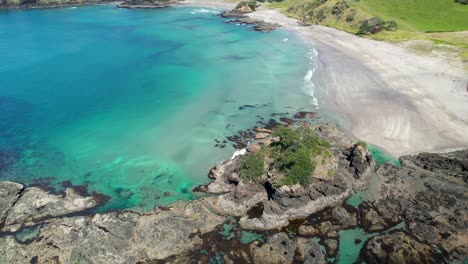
(414, 213)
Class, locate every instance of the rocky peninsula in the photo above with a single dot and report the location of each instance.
(260, 207)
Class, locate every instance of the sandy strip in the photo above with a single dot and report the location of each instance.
(390, 97)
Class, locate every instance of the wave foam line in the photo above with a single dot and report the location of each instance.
(204, 10)
(309, 86)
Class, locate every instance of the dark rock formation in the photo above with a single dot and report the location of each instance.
(399, 248)
(239, 17)
(48, 4)
(427, 195)
(148, 4)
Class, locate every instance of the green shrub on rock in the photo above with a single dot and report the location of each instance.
(252, 167)
(293, 154)
(376, 24)
(362, 144)
(246, 6)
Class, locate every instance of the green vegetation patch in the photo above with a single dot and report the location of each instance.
(251, 4)
(252, 167)
(293, 154)
(291, 160)
(423, 15)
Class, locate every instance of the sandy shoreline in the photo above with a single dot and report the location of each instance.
(392, 98)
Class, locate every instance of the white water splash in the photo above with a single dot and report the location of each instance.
(204, 10)
(239, 152)
(309, 86)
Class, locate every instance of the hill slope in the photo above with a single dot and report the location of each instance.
(439, 21)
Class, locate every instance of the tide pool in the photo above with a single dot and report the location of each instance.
(129, 102)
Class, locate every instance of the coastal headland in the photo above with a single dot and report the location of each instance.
(297, 189)
(261, 208)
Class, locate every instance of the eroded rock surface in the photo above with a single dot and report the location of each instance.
(426, 197)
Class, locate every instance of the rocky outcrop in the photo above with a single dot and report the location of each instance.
(35, 205)
(9, 193)
(426, 198)
(239, 17)
(260, 208)
(428, 193)
(148, 4)
(398, 248)
(120, 237)
(279, 248)
(48, 4)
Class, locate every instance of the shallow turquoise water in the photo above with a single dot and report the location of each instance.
(352, 240)
(129, 102)
(249, 237)
(382, 157)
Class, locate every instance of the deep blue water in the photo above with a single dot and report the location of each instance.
(129, 102)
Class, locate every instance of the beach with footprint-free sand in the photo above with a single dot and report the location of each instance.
(383, 93)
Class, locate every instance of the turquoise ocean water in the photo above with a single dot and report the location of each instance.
(129, 102)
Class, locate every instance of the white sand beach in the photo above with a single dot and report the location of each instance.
(390, 97)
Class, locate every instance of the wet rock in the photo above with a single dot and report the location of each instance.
(341, 217)
(325, 228)
(119, 237)
(307, 230)
(265, 27)
(425, 232)
(287, 121)
(35, 205)
(303, 114)
(308, 252)
(232, 14)
(262, 130)
(398, 248)
(261, 135)
(9, 193)
(332, 246)
(148, 4)
(279, 248)
(361, 161)
(454, 164)
(372, 221)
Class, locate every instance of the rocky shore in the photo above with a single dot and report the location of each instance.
(416, 213)
(148, 4)
(37, 4)
(239, 15)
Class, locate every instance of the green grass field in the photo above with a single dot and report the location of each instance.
(421, 15)
(438, 21)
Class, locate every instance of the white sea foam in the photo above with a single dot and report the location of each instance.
(204, 10)
(239, 152)
(72, 7)
(286, 39)
(309, 86)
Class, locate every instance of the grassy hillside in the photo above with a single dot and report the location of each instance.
(422, 15)
(439, 21)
